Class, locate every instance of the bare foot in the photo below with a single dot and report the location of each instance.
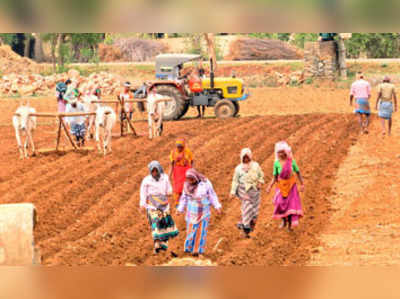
(283, 224)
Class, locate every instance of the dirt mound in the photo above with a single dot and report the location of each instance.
(131, 49)
(262, 49)
(187, 261)
(11, 62)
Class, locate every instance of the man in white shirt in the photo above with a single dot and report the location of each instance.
(77, 123)
(155, 109)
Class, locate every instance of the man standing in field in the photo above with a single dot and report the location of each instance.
(361, 92)
(386, 97)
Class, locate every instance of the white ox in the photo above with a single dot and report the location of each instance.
(23, 123)
(104, 123)
(90, 107)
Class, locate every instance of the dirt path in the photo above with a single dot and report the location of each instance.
(365, 226)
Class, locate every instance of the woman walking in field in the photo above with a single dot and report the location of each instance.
(197, 198)
(287, 199)
(386, 97)
(154, 192)
(246, 185)
(181, 160)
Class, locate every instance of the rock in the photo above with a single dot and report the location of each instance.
(317, 249)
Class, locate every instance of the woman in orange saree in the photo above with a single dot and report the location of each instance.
(181, 160)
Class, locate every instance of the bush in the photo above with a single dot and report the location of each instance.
(308, 81)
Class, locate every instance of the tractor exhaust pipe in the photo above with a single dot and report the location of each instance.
(211, 74)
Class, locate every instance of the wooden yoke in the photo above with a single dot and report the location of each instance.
(62, 124)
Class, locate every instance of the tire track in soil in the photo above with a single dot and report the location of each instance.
(232, 215)
(11, 165)
(108, 207)
(265, 220)
(134, 205)
(167, 150)
(149, 243)
(112, 179)
(321, 208)
(98, 198)
(132, 230)
(283, 249)
(12, 155)
(214, 163)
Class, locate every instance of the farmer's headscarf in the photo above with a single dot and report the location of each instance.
(283, 146)
(243, 153)
(180, 142)
(156, 165)
(386, 79)
(189, 188)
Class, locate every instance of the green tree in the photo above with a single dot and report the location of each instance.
(8, 38)
(70, 47)
(375, 45)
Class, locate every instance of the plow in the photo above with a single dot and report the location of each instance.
(125, 126)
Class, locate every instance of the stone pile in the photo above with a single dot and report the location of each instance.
(320, 60)
(30, 85)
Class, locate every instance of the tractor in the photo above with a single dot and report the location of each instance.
(224, 94)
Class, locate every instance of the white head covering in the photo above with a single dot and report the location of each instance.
(246, 152)
(282, 146)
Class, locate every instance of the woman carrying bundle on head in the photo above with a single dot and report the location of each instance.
(246, 185)
(287, 199)
(154, 192)
(197, 198)
(181, 160)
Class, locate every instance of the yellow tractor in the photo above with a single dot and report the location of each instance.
(224, 94)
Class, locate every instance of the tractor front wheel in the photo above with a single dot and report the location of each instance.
(224, 109)
(174, 109)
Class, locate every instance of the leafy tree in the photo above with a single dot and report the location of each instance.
(375, 45)
(8, 38)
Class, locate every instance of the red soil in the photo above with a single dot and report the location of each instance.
(88, 205)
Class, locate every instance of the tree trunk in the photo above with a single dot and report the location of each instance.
(342, 59)
(53, 51)
(39, 53)
(60, 44)
(77, 52)
(27, 43)
(211, 48)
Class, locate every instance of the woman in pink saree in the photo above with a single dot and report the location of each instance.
(286, 199)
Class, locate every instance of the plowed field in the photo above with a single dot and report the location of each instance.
(88, 205)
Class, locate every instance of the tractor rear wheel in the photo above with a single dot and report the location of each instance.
(224, 109)
(237, 108)
(185, 109)
(174, 109)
